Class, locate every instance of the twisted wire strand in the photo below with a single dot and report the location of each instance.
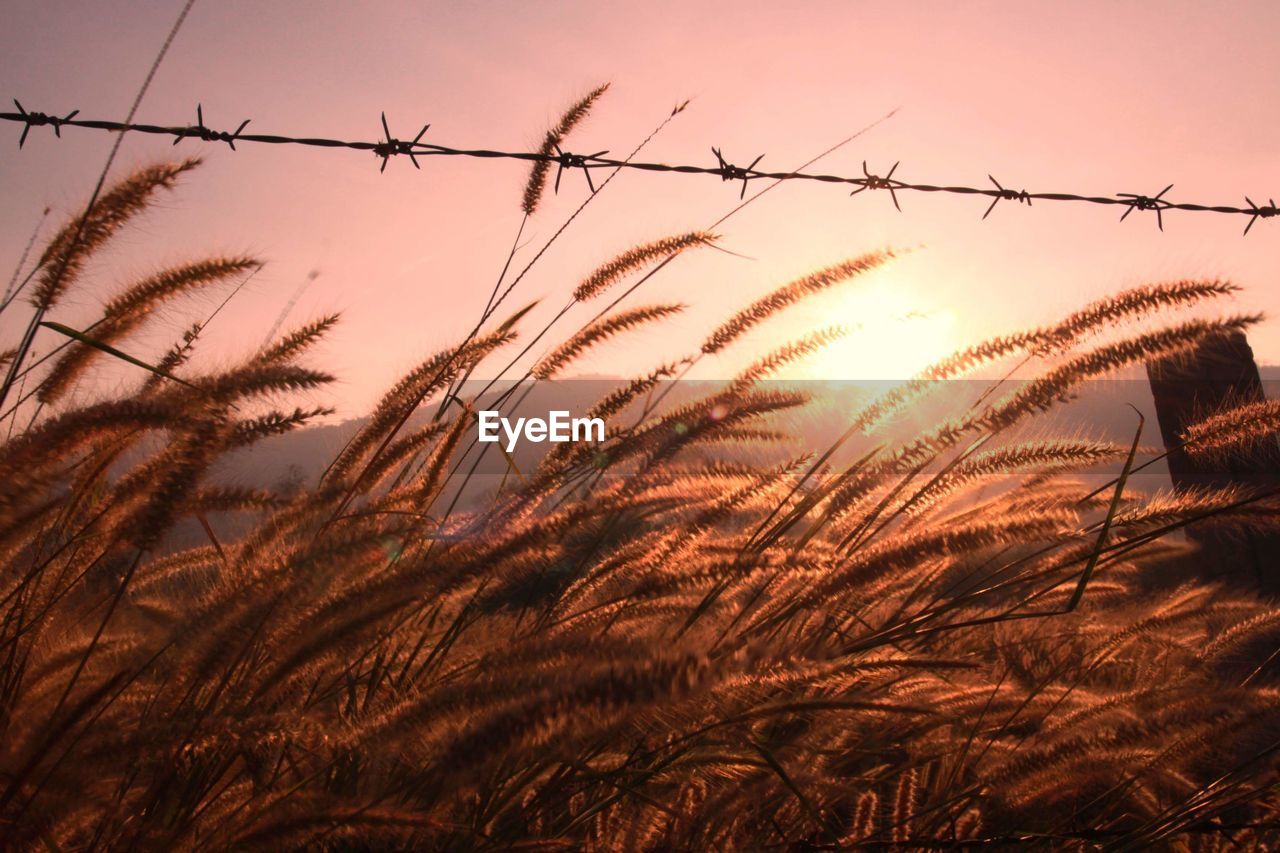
(389, 146)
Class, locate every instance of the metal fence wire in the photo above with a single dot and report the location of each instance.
(389, 146)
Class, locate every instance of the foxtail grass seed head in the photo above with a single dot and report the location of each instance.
(598, 332)
(69, 249)
(126, 312)
(1242, 427)
(637, 257)
(537, 183)
(789, 294)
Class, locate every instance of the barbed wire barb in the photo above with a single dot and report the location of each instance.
(1144, 202)
(1020, 196)
(730, 172)
(389, 146)
(875, 182)
(200, 131)
(33, 119)
(575, 161)
(1259, 212)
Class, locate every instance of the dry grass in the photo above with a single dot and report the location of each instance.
(651, 648)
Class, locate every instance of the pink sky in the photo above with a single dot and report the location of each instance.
(1087, 97)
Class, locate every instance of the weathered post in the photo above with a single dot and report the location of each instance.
(1187, 387)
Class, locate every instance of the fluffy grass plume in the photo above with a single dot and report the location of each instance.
(536, 185)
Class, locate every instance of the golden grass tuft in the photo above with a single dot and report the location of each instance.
(63, 259)
(635, 258)
(598, 332)
(537, 182)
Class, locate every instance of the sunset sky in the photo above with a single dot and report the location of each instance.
(1096, 98)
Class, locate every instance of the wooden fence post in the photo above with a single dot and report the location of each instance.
(1220, 370)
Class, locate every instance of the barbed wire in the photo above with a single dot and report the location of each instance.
(390, 146)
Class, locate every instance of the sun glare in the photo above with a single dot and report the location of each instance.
(890, 335)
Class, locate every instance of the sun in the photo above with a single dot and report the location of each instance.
(890, 335)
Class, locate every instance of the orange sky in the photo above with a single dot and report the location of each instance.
(1087, 97)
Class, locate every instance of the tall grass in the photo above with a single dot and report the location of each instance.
(672, 642)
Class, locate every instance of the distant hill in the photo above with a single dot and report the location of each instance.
(1102, 411)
